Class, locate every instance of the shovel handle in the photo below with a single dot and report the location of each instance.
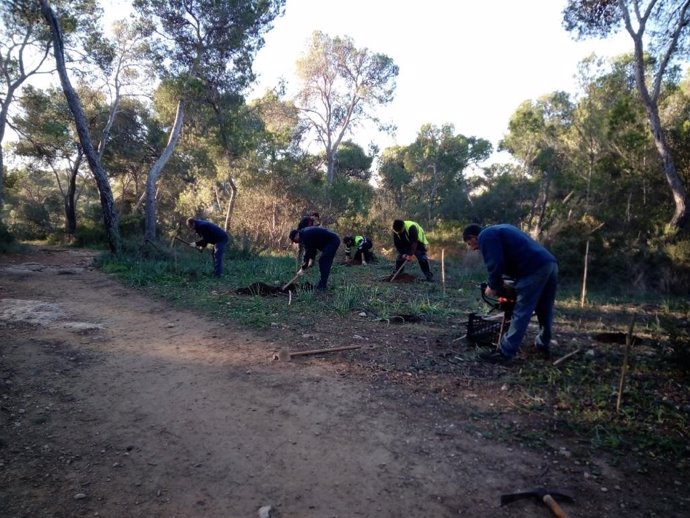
(396, 273)
(290, 282)
(556, 509)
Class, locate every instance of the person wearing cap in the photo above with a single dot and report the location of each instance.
(410, 242)
(508, 251)
(317, 239)
(362, 246)
(214, 235)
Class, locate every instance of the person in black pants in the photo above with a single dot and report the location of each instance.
(214, 235)
(410, 242)
(317, 239)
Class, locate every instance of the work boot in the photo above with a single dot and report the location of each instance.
(543, 352)
(429, 277)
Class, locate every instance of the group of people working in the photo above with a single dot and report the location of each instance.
(507, 252)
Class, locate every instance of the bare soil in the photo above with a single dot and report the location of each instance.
(115, 404)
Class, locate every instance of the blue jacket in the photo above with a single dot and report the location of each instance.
(209, 233)
(507, 250)
(317, 238)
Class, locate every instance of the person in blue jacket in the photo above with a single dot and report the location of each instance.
(315, 239)
(508, 251)
(214, 235)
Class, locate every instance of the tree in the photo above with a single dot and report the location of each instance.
(25, 47)
(47, 137)
(106, 195)
(660, 30)
(438, 160)
(341, 87)
(208, 47)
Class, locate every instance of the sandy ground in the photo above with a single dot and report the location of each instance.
(116, 405)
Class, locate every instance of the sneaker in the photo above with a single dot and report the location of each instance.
(496, 357)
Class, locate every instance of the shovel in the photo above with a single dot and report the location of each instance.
(189, 244)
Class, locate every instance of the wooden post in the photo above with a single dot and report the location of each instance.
(443, 269)
(626, 360)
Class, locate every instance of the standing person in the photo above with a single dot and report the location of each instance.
(315, 239)
(214, 235)
(362, 246)
(410, 242)
(509, 251)
(311, 220)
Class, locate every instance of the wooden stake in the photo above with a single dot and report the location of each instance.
(443, 269)
(626, 359)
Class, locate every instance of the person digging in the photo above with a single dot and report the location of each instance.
(210, 234)
(362, 247)
(410, 242)
(317, 239)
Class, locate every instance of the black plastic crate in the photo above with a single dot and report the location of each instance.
(485, 330)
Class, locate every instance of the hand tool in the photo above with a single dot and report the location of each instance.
(546, 495)
(396, 273)
(189, 244)
(297, 276)
(287, 355)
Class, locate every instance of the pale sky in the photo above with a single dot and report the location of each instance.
(465, 62)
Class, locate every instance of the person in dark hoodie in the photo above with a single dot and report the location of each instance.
(508, 251)
(316, 239)
(214, 235)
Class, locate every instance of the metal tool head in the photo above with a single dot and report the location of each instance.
(539, 493)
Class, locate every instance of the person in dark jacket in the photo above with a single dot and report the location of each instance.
(214, 235)
(317, 239)
(410, 242)
(313, 219)
(362, 246)
(508, 251)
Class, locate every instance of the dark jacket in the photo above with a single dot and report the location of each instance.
(317, 239)
(306, 222)
(209, 233)
(507, 250)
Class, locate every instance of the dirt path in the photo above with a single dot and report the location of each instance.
(115, 405)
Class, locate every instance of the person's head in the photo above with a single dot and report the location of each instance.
(470, 235)
(398, 225)
(349, 240)
(294, 236)
(191, 223)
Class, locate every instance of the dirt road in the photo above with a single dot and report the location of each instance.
(116, 405)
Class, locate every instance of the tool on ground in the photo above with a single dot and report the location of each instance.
(564, 358)
(396, 273)
(287, 355)
(546, 495)
(189, 244)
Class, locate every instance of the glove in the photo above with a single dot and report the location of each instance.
(409, 258)
(300, 272)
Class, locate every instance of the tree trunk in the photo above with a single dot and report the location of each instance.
(106, 195)
(231, 202)
(70, 199)
(154, 173)
(679, 221)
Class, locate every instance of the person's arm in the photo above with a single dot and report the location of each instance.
(492, 251)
